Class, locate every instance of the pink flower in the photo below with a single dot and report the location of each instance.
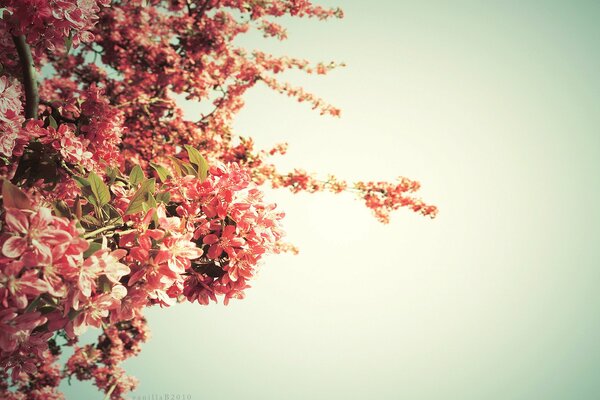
(235, 290)
(10, 132)
(15, 329)
(20, 285)
(32, 236)
(112, 268)
(177, 251)
(10, 91)
(197, 287)
(102, 262)
(226, 242)
(72, 148)
(28, 352)
(93, 311)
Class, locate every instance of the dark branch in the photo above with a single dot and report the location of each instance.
(202, 10)
(29, 79)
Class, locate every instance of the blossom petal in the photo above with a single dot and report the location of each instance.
(210, 239)
(14, 246)
(17, 220)
(215, 251)
(229, 230)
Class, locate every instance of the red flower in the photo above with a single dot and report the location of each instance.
(103, 262)
(227, 242)
(16, 287)
(33, 236)
(15, 329)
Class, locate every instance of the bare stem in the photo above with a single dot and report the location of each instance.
(103, 229)
(29, 79)
(112, 388)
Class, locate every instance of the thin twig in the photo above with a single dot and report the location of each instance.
(112, 389)
(202, 10)
(103, 229)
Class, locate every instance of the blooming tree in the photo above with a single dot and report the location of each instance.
(111, 200)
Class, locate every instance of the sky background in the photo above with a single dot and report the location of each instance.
(495, 108)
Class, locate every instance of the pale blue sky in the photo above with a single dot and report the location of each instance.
(494, 107)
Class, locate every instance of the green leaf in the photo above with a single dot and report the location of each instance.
(176, 164)
(68, 42)
(74, 313)
(136, 175)
(189, 170)
(105, 284)
(163, 197)
(183, 168)
(150, 202)
(113, 214)
(99, 189)
(33, 305)
(46, 308)
(81, 181)
(163, 173)
(89, 196)
(141, 195)
(199, 161)
(14, 197)
(86, 189)
(151, 184)
(94, 247)
(112, 173)
(136, 205)
(90, 222)
(52, 122)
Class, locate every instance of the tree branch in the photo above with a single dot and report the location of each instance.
(112, 388)
(202, 10)
(29, 79)
(104, 229)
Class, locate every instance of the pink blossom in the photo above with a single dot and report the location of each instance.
(11, 116)
(15, 329)
(177, 251)
(92, 311)
(227, 242)
(32, 236)
(19, 286)
(103, 262)
(10, 92)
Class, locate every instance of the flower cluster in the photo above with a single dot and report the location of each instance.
(205, 242)
(385, 197)
(46, 23)
(381, 197)
(107, 205)
(102, 126)
(80, 133)
(100, 362)
(41, 386)
(302, 96)
(190, 51)
(198, 236)
(11, 114)
(71, 148)
(47, 285)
